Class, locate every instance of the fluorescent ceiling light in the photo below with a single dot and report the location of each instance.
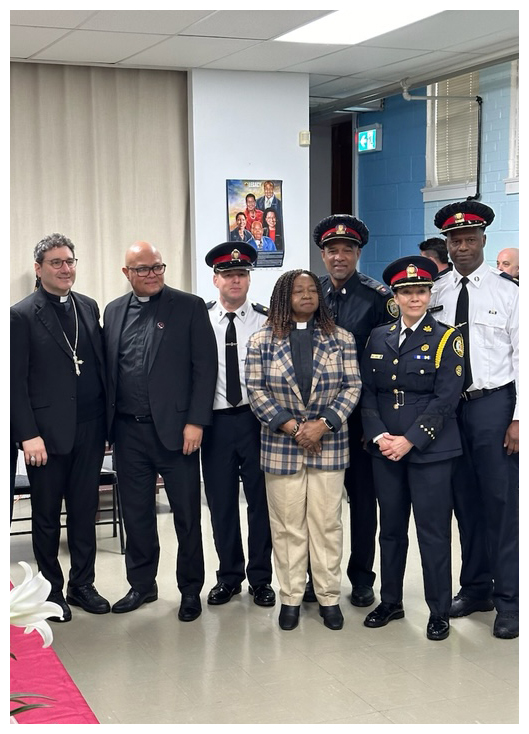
(343, 27)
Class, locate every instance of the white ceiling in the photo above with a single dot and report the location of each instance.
(443, 45)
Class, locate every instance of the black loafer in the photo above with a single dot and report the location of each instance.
(221, 593)
(88, 598)
(134, 599)
(309, 595)
(383, 614)
(362, 596)
(58, 598)
(506, 625)
(438, 627)
(463, 605)
(332, 616)
(190, 608)
(263, 596)
(288, 617)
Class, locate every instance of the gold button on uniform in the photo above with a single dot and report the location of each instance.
(393, 377)
(395, 361)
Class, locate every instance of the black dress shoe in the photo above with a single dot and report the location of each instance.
(463, 605)
(134, 599)
(288, 617)
(362, 596)
(383, 614)
(263, 596)
(332, 616)
(309, 595)
(506, 625)
(438, 627)
(58, 598)
(190, 608)
(222, 593)
(88, 598)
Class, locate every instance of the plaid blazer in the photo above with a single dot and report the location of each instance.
(272, 388)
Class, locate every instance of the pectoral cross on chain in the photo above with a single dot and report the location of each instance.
(77, 362)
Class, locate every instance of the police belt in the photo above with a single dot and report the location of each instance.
(233, 411)
(475, 394)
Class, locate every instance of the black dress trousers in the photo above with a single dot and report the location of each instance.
(230, 451)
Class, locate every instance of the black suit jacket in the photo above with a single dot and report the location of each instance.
(182, 372)
(424, 378)
(43, 379)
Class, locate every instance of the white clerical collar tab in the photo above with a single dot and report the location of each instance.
(301, 324)
(63, 299)
(143, 299)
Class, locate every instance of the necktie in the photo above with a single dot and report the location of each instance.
(462, 325)
(407, 333)
(233, 381)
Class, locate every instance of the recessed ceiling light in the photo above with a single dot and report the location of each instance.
(348, 27)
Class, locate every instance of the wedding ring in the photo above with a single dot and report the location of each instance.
(394, 458)
(32, 459)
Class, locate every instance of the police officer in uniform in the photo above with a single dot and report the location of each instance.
(231, 444)
(412, 375)
(358, 304)
(484, 302)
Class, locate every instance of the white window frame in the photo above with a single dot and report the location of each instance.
(512, 182)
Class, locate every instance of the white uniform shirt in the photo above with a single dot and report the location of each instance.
(247, 321)
(493, 323)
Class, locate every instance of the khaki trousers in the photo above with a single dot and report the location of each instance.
(306, 517)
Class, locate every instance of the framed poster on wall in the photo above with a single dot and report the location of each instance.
(255, 215)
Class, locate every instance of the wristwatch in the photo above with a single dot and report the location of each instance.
(327, 423)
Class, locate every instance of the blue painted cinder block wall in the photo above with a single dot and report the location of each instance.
(390, 182)
(390, 200)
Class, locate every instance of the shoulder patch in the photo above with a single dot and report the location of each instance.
(374, 284)
(392, 308)
(458, 346)
(260, 308)
(509, 277)
(210, 304)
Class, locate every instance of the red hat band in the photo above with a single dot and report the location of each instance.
(462, 219)
(339, 230)
(229, 258)
(419, 273)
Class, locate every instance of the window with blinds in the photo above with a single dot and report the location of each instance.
(454, 127)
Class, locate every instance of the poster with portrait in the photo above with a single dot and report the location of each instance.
(255, 215)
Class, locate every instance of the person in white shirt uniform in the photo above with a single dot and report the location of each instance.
(485, 480)
(231, 444)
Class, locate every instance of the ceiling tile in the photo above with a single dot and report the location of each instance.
(257, 24)
(97, 47)
(354, 59)
(271, 56)
(145, 21)
(26, 41)
(186, 52)
(50, 18)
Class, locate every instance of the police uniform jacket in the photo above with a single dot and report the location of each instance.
(359, 305)
(493, 299)
(414, 392)
(272, 388)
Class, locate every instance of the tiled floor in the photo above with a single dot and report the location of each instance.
(235, 666)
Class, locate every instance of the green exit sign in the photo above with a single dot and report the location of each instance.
(369, 139)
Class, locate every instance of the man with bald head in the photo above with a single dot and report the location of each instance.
(162, 371)
(509, 262)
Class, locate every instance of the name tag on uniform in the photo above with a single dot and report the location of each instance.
(377, 356)
(434, 309)
(421, 356)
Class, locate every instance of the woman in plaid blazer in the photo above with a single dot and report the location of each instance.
(303, 382)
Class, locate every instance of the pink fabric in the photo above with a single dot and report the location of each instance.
(39, 670)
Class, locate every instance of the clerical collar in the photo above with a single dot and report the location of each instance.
(303, 324)
(146, 299)
(53, 297)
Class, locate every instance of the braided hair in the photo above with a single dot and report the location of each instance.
(280, 317)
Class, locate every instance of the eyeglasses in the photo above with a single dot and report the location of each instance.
(57, 264)
(144, 270)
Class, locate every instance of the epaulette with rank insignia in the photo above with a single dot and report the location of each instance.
(260, 309)
(505, 275)
(210, 304)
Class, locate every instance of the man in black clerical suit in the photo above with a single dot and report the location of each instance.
(162, 371)
(58, 419)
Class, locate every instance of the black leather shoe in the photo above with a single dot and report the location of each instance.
(288, 617)
(263, 596)
(332, 616)
(222, 593)
(383, 614)
(463, 605)
(134, 599)
(362, 596)
(438, 627)
(88, 598)
(190, 608)
(309, 595)
(506, 625)
(58, 598)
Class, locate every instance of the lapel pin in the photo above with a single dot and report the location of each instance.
(160, 324)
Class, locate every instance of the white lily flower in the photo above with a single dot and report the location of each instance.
(29, 607)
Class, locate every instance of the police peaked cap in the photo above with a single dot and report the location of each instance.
(231, 256)
(410, 270)
(341, 227)
(469, 213)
